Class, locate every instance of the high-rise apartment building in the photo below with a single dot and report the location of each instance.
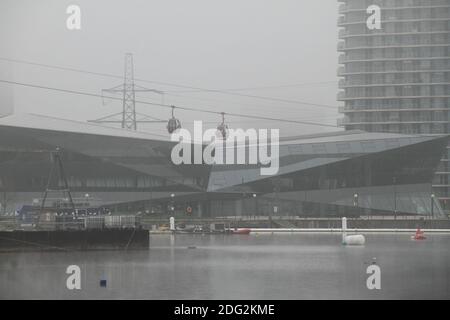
(397, 78)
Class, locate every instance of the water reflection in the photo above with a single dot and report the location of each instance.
(233, 267)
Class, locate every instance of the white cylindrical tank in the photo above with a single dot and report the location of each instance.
(172, 223)
(355, 239)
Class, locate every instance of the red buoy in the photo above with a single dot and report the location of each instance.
(419, 235)
(241, 231)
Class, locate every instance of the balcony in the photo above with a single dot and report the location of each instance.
(387, 109)
(350, 83)
(343, 121)
(342, 33)
(388, 96)
(341, 20)
(342, 59)
(340, 71)
(341, 46)
(342, 8)
(392, 46)
(341, 96)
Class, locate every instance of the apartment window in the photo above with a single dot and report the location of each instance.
(319, 148)
(343, 147)
(295, 149)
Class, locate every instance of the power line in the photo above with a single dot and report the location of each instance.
(264, 121)
(260, 87)
(258, 107)
(273, 99)
(227, 92)
(166, 105)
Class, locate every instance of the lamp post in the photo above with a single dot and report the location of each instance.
(172, 203)
(432, 205)
(256, 204)
(151, 202)
(394, 180)
(277, 189)
(355, 201)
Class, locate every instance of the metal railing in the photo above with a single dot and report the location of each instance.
(80, 223)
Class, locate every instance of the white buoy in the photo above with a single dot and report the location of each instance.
(354, 239)
(172, 223)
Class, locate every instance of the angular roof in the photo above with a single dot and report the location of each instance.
(36, 121)
(43, 122)
(148, 154)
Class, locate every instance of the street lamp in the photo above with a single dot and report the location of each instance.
(355, 201)
(256, 204)
(432, 205)
(172, 203)
(394, 180)
(87, 202)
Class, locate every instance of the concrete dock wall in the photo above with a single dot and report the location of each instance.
(74, 240)
(308, 223)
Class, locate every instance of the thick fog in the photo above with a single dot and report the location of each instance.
(278, 49)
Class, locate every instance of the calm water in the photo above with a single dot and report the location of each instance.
(310, 266)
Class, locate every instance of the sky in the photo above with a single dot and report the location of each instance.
(283, 49)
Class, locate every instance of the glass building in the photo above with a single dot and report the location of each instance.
(397, 79)
(333, 174)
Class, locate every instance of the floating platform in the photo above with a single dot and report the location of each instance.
(204, 232)
(70, 240)
(339, 230)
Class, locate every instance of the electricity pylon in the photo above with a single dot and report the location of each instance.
(128, 90)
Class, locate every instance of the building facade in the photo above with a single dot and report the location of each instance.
(397, 78)
(335, 174)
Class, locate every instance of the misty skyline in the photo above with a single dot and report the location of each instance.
(208, 44)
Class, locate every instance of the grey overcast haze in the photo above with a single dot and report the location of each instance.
(253, 45)
(222, 150)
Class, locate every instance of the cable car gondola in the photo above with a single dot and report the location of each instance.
(222, 128)
(173, 123)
